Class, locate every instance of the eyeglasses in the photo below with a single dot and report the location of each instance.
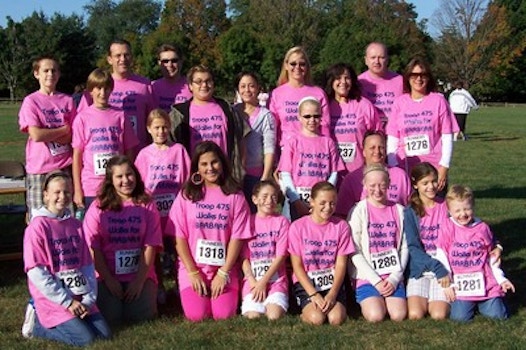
(418, 75)
(171, 60)
(206, 82)
(301, 64)
(308, 116)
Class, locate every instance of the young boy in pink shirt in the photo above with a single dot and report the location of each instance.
(46, 116)
(464, 248)
(131, 94)
(99, 133)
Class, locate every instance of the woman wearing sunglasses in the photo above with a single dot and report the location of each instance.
(422, 125)
(295, 83)
(307, 159)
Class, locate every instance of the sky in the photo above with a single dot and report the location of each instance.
(19, 9)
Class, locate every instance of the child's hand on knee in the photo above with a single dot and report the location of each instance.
(506, 286)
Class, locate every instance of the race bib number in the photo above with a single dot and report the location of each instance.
(322, 279)
(133, 121)
(74, 281)
(210, 252)
(386, 262)
(58, 148)
(347, 151)
(164, 202)
(127, 261)
(304, 193)
(417, 145)
(470, 284)
(260, 268)
(100, 161)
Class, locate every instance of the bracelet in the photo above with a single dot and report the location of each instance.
(224, 274)
(313, 294)
(193, 273)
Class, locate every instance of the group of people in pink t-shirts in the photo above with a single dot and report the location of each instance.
(303, 199)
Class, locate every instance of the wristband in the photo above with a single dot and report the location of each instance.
(498, 245)
(313, 294)
(193, 273)
(224, 274)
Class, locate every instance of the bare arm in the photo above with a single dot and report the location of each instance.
(50, 135)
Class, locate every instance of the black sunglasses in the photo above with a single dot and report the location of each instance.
(419, 75)
(172, 60)
(301, 64)
(308, 116)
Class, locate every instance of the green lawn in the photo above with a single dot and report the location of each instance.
(491, 162)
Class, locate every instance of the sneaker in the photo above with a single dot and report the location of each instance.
(29, 321)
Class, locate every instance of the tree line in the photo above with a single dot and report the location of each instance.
(479, 42)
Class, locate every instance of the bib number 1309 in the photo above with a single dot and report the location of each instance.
(322, 279)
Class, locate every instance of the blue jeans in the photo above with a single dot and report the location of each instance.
(76, 332)
(464, 310)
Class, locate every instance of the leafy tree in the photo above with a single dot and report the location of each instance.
(12, 57)
(240, 50)
(359, 26)
(478, 44)
(75, 50)
(200, 22)
(132, 20)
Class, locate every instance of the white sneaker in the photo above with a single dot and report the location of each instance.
(29, 321)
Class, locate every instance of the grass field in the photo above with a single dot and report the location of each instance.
(491, 162)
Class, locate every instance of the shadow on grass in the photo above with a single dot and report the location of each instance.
(11, 273)
(501, 192)
(512, 238)
(489, 136)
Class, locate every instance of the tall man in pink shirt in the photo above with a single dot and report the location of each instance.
(132, 93)
(380, 85)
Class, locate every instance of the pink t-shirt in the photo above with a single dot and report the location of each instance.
(468, 250)
(431, 226)
(383, 230)
(57, 245)
(133, 96)
(163, 173)
(352, 190)
(318, 245)
(283, 104)
(166, 93)
(208, 122)
(122, 235)
(46, 112)
(419, 126)
(208, 226)
(100, 134)
(309, 160)
(271, 241)
(382, 91)
(349, 123)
